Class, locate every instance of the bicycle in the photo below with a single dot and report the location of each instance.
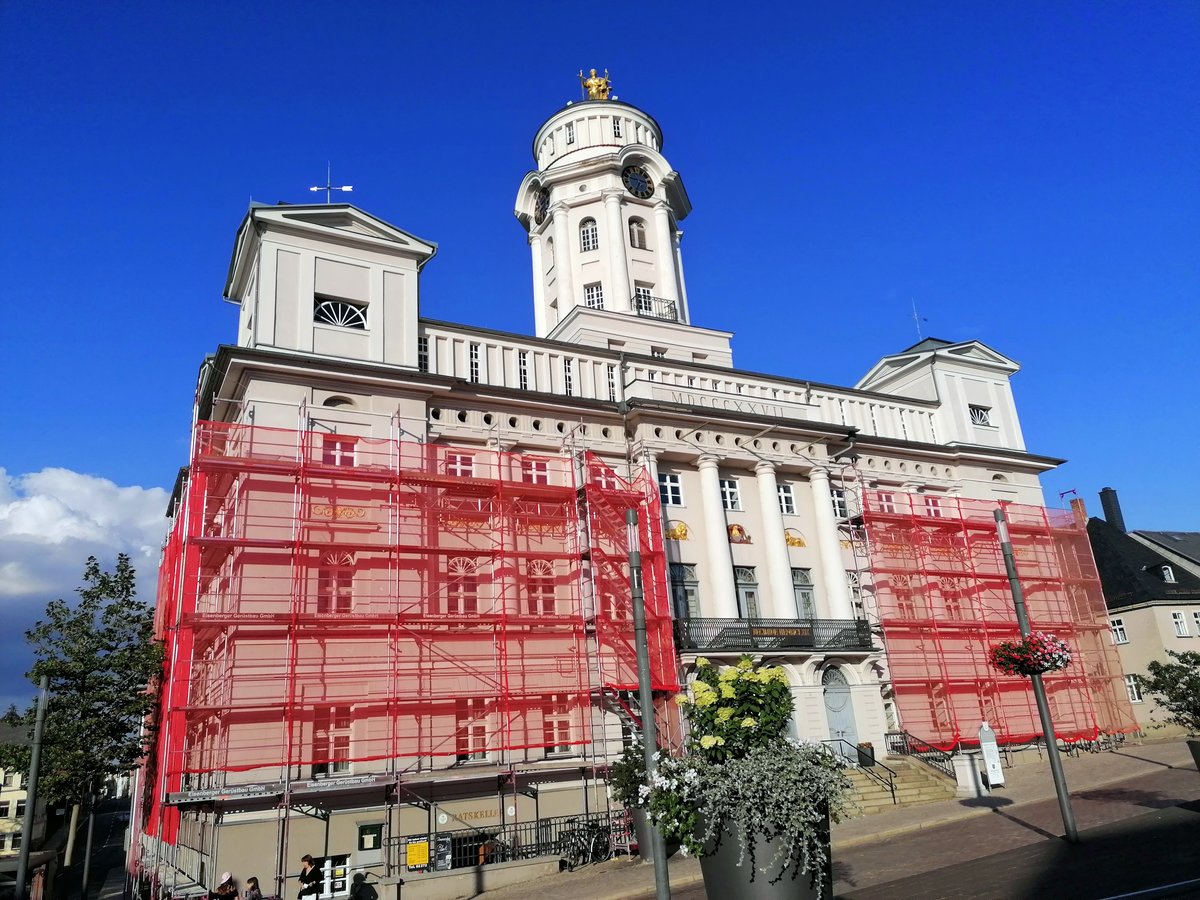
(588, 843)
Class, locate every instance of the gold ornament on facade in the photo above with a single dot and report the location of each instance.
(793, 538)
(677, 531)
(597, 88)
(739, 535)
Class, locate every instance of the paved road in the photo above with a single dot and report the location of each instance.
(108, 852)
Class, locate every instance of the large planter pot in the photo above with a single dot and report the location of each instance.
(647, 834)
(1194, 746)
(723, 877)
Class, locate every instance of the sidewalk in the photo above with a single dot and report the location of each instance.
(1028, 786)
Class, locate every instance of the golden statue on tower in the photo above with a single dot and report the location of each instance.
(597, 88)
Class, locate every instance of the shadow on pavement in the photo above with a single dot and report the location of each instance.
(994, 803)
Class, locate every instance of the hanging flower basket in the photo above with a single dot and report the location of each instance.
(1039, 653)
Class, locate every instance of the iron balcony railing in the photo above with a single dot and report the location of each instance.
(712, 635)
(655, 307)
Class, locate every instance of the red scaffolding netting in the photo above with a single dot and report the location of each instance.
(328, 600)
(944, 600)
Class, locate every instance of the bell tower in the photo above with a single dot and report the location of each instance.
(602, 210)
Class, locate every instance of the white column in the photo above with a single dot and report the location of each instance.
(836, 595)
(539, 284)
(563, 259)
(716, 538)
(664, 253)
(685, 316)
(615, 238)
(781, 602)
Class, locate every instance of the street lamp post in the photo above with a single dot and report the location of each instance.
(662, 884)
(1039, 689)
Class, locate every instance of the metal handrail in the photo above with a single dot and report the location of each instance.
(695, 634)
(904, 744)
(889, 782)
(654, 307)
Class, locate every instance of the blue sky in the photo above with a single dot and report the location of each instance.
(1025, 173)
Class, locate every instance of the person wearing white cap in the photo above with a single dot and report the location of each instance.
(225, 888)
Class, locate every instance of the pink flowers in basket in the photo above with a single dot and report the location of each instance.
(1040, 652)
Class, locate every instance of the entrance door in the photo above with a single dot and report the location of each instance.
(839, 712)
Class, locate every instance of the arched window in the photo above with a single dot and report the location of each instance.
(540, 586)
(589, 237)
(1168, 574)
(335, 584)
(339, 403)
(637, 234)
(462, 586)
(549, 260)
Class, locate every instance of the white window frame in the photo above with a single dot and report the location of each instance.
(593, 295)
(616, 127)
(1168, 575)
(841, 509)
(422, 354)
(637, 234)
(731, 496)
(1133, 687)
(337, 450)
(1119, 634)
(787, 499)
(643, 299)
(570, 130)
(460, 465)
(568, 376)
(1196, 621)
(670, 489)
(334, 744)
(933, 506)
(557, 724)
(684, 585)
(980, 415)
(473, 358)
(470, 730)
(612, 383)
(535, 471)
(589, 236)
(523, 369)
(804, 593)
(887, 503)
(1179, 620)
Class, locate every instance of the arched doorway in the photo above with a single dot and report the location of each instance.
(839, 711)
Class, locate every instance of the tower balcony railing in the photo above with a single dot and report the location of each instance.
(776, 635)
(655, 307)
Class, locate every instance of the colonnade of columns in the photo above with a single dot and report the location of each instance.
(777, 590)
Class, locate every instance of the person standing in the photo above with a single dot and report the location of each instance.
(311, 878)
(252, 889)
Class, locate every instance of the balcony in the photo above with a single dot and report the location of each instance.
(774, 635)
(654, 307)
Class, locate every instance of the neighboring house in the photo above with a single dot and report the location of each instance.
(13, 797)
(1153, 599)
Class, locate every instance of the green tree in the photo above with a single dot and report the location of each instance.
(102, 661)
(1175, 686)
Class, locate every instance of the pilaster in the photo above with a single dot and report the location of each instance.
(563, 260)
(664, 254)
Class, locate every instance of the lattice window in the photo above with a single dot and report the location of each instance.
(557, 724)
(471, 728)
(1133, 685)
(854, 588)
(637, 234)
(593, 296)
(1119, 635)
(570, 132)
(535, 471)
(337, 450)
(933, 507)
(612, 384)
(331, 740)
(523, 369)
(473, 353)
(616, 127)
(643, 300)
(1180, 623)
(731, 497)
(840, 510)
(460, 465)
(887, 503)
(335, 584)
(802, 590)
(342, 313)
(589, 236)
(462, 588)
(422, 354)
(569, 377)
(670, 491)
(540, 586)
(685, 590)
(787, 499)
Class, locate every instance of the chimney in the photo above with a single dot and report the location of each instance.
(1112, 508)
(1079, 511)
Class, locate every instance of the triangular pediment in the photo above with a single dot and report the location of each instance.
(899, 365)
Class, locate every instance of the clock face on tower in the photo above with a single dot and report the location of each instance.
(541, 206)
(637, 180)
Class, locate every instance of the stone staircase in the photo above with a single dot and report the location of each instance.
(915, 783)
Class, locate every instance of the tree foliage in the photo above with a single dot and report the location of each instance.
(1175, 686)
(102, 660)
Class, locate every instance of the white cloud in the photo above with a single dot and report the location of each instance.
(50, 523)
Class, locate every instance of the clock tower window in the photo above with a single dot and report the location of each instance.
(637, 234)
(589, 236)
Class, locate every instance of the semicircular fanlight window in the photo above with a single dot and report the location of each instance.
(341, 313)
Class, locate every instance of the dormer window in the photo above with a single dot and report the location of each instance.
(980, 415)
(1168, 574)
(342, 313)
